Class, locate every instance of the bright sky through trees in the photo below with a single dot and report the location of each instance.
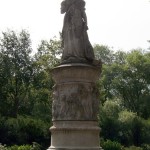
(122, 24)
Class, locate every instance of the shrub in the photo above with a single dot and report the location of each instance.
(111, 145)
(24, 130)
(131, 128)
(146, 146)
(133, 148)
(109, 120)
(2, 147)
(146, 132)
(14, 147)
(35, 146)
(25, 147)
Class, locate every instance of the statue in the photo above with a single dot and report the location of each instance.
(75, 104)
(75, 42)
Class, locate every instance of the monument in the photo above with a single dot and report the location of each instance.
(75, 95)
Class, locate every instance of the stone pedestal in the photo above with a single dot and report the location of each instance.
(75, 108)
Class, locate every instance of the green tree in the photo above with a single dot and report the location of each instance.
(15, 71)
(132, 84)
(109, 119)
(127, 78)
(47, 57)
(104, 53)
(49, 53)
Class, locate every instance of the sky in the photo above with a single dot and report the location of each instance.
(119, 24)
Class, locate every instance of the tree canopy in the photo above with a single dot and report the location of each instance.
(26, 88)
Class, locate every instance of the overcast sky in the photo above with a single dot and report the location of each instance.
(122, 24)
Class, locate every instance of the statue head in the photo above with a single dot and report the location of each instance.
(63, 7)
(65, 4)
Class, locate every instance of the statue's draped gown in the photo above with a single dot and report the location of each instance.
(76, 44)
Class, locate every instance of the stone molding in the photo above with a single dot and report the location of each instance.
(76, 73)
(75, 108)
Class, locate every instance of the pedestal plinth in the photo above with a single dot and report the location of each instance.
(75, 108)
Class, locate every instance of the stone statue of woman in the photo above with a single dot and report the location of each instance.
(75, 42)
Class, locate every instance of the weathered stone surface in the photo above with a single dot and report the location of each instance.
(75, 108)
(75, 96)
(76, 101)
(75, 135)
(75, 41)
(76, 72)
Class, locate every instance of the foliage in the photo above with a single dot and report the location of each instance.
(25, 130)
(22, 147)
(131, 128)
(3, 147)
(133, 148)
(49, 53)
(34, 146)
(15, 71)
(146, 146)
(111, 145)
(146, 131)
(26, 86)
(109, 119)
(111, 108)
(103, 53)
(126, 78)
(128, 128)
(47, 57)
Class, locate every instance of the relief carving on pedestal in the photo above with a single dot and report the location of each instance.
(75, 101)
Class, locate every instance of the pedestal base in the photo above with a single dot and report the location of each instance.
(75, 135)
(75, 108)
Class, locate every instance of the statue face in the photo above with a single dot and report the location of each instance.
(63, 8)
